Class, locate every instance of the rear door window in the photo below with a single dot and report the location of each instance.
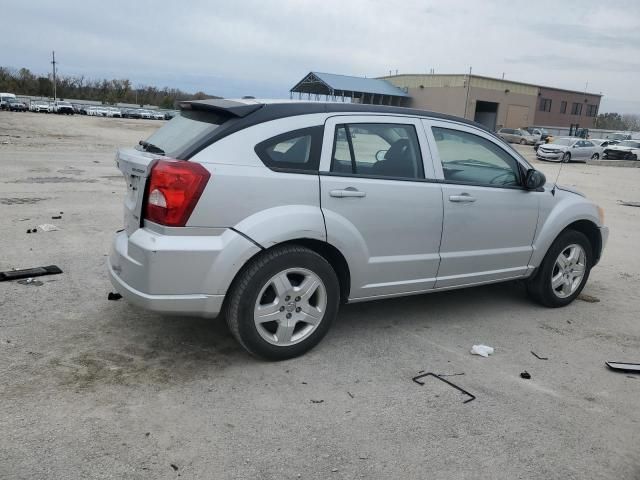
(377, 150)
(297, 151)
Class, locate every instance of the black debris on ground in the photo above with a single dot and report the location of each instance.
(56, 217)
(114, 296)
(316, 401)
(526, 375)
(174, 466)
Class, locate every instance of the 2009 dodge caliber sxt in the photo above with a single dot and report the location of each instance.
(275, 213)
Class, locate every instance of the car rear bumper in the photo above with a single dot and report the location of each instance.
(178, 273)
(161, 273)
(199, 305)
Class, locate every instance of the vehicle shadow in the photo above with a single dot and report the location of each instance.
(134, 347)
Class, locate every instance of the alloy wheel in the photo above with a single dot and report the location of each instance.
(290, 306)
(568, 271)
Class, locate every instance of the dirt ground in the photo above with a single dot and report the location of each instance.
(91, 388)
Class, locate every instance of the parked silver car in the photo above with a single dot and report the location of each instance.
(567, 149)
(275, 213)
(517, 135)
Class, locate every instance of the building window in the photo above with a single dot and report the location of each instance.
(545, 105)
(563, 106)
(576, 109)
(592, 110)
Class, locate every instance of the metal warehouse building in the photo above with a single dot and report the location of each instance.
(496, 103)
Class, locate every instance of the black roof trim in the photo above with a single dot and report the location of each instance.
(266, 112)
(236, 109)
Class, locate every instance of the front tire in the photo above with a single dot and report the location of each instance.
(283, 302)
(563, 272)
(595, 156)
(523, 142)
(566, 158)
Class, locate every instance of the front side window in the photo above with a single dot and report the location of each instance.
(469, 158)
(377, 149)
(296, 150)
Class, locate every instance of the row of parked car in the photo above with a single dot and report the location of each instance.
(567, 149)
(10, 102)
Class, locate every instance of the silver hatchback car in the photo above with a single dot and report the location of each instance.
(275, 213)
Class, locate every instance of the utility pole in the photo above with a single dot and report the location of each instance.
(466, 102)
(53, 62)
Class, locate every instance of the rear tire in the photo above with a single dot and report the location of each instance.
(547, 287)
(523, 142)
(283, 302)
(566, 158)
(595, 156)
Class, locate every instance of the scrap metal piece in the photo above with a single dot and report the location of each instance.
(538, 356)
(624, 366)
(29, 272)
(526, 375)
(431, 374)
(629, 204)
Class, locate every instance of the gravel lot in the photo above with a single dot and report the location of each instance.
(91, 388)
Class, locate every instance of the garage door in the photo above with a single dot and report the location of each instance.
(517, 116)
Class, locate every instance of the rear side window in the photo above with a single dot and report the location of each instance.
(298, 150)
(377, 150)
(184, 131)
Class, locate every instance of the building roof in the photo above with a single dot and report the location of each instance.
(333, 84)
(473, 75)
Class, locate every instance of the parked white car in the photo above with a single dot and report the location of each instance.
(63, 108)
(145, 114)
(156, 115)
(625, 150)
(114, 112)
(568, 149)
(275, 213)
(42, 107)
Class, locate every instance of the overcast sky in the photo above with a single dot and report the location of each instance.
(262, 48)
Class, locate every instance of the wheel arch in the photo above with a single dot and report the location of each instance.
(592, 232)
(327, 251)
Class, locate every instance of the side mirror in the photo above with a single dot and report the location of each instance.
(534, 179)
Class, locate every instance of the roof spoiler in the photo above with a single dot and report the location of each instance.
(229, 107)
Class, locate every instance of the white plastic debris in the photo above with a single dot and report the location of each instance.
(482, 350)
(48, 227)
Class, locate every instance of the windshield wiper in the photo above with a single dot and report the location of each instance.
(150, 147)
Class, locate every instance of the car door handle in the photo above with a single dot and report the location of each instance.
(462, 198)
(347, 192)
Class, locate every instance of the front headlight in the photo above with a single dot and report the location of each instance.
(600, 214)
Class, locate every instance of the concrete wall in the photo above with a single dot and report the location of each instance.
(558, 119)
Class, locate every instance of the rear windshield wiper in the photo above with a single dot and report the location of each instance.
(150, 147)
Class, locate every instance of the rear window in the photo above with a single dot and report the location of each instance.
(297, 151)
(184, 131)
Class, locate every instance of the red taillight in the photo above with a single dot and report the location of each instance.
(173, 190)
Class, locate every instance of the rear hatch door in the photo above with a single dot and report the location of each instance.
(135, 165)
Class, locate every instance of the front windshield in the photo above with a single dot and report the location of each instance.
(564, 141)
